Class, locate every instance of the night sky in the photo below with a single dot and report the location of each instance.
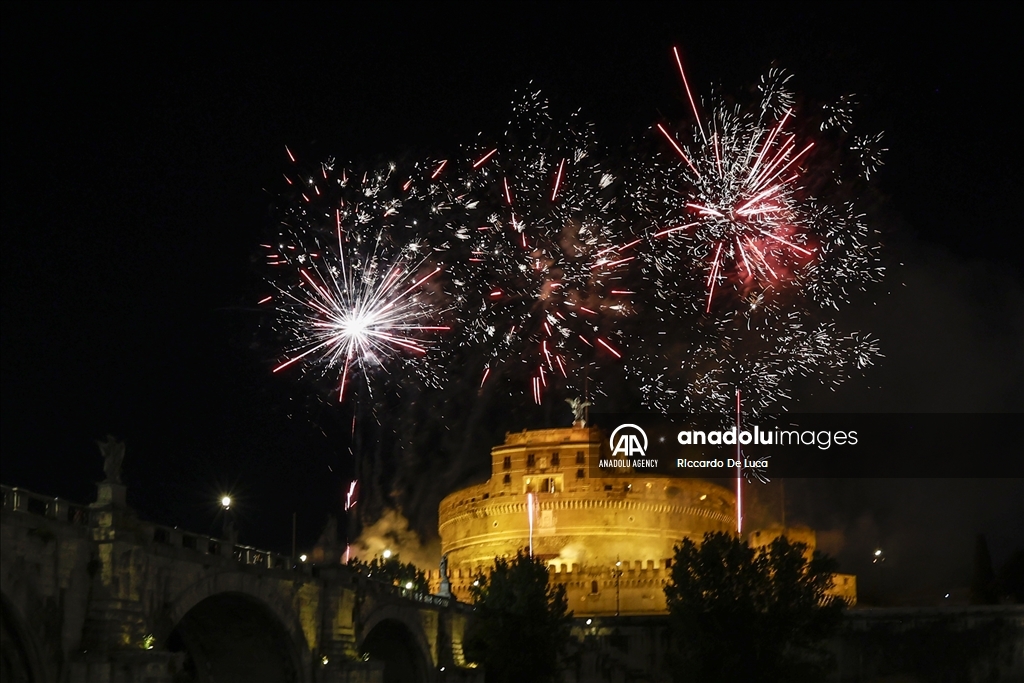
(143, 147)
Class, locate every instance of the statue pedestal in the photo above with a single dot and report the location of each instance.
(109, 494)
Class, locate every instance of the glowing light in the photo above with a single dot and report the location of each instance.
(387, 554)
(225, 502)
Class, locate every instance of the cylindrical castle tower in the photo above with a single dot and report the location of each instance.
(609, 540)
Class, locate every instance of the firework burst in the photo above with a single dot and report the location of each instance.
(751, 239)
(738, 203)
(545, 261)
(356, 297)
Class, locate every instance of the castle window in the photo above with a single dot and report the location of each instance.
(531, 460)
(507, 479)
(506, 464)
(580, 458)
(668, 562)
(555, 460)
(593, 587)
(579, 474)
(542, 462)
(607, 487)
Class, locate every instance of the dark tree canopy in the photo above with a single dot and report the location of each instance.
(522, 624)
(392, 570)
(745, 614)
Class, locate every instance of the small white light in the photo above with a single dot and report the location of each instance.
(226, 501)
(408, 585)
(878, 553)
(323, 660)
(589, 622)
(387, 554)
(476, 583)
(302, 558)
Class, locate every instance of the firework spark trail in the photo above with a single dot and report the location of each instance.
(739, 469)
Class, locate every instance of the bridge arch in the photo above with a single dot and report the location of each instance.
(393, 634)
(20, 658)
(236, 626)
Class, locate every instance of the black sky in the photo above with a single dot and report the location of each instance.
(143, 146)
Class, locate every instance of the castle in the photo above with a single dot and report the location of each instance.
(608, 540)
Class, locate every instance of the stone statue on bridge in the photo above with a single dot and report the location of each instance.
(445, 591)
(112, 451)
(327, 549)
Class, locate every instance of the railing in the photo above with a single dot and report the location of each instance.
(22, 500)
(210, 545)
(424, 598)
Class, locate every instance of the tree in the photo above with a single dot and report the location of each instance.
(745, 614)
(522, 623)
(392, 570)
(1011, 577)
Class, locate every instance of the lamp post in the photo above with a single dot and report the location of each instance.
(618, 575)
(878, 559)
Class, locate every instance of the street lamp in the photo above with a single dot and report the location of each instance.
(227, 530)
(387, 554)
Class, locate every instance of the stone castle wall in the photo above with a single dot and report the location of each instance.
(608, 539)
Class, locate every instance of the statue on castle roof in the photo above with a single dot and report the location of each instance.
(579, 411)
(112, 451)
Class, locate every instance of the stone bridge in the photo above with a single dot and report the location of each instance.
(94, 594)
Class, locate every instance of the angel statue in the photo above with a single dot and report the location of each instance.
(112, 451)
(579, 410)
